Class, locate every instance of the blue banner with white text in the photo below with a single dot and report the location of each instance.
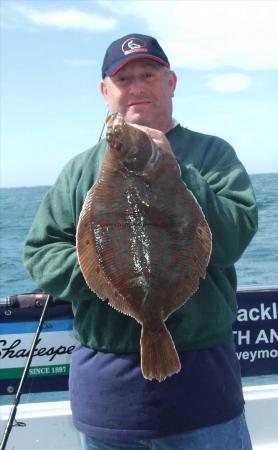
(255, 334)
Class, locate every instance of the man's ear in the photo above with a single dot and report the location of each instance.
(103, 90)
(172, 82)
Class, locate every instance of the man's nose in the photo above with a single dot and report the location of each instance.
(137, 86)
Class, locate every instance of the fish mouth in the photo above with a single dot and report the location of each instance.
(114, 134)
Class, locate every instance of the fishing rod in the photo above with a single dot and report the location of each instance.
(24, 375)
(101, 133)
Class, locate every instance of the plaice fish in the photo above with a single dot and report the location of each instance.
(142, 240)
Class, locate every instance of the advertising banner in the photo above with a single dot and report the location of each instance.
(50, 364)
(255, 334)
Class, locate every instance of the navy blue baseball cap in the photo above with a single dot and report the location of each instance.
(129, 48)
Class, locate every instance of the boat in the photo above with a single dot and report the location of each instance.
(46, 420)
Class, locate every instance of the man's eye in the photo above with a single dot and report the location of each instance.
(122, 80)
(148, 76)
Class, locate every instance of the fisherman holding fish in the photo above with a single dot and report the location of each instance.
(141, 233)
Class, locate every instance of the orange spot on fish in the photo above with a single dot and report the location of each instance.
(160, 222)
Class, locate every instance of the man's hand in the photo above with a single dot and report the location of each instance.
(158, 137)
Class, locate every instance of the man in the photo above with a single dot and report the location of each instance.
(113, 406)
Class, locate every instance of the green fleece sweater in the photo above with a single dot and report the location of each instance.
(211, 170)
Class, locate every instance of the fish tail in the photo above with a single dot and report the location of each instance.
(159, 358)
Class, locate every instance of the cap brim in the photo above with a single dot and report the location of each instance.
(119, 66)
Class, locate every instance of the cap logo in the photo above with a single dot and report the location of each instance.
(133, 45)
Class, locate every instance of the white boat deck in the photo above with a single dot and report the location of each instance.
(48, 425)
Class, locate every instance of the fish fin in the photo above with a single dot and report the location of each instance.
(86, 252)
(159, 358)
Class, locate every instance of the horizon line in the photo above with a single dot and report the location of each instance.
(52, 184)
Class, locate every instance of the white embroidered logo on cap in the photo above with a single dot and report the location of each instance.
(133, 45)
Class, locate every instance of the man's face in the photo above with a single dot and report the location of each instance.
(142, 92)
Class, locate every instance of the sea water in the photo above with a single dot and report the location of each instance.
(257, 266)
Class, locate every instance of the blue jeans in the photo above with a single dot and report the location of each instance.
(231, 435)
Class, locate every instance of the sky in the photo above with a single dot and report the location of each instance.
(225, 54)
